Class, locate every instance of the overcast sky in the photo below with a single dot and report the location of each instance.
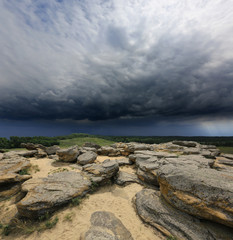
(130, 67)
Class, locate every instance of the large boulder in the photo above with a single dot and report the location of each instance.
(123, 178)
(32, 146)
(106, 226)
(154, 210)
(109, 151)
(185, 143)
(86, 158)
(102, 171)
(68, 154)
(202, 192)
(47, 194)
(91, 145)
(52, 150)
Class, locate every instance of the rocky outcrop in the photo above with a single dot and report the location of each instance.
(124, 161)
(123, 178)
(68, 154)
(47, 194)
(106, 226)
(202, 192)
(154, 210)
(11, 170)
(102, 171)
(52, 150)
(32, 146)
(86, 158)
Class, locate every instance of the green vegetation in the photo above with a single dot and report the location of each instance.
(80, 138)
(171, 238)
(68, 217)
(226, 149)
(94, 186)
(76, 201)
(24, 172)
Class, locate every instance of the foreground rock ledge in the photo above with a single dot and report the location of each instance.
(202, 192)
(48, 194)
(153, 209)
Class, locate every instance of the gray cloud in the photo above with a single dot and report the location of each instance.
(115, 59)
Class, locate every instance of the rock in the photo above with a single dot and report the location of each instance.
(106, 226)
(191, 151)
(10, 178)
(154, 210)
(124, 178)
(1, 156)
(87, 149)
(28, 154)
(185, 143)
(105, 170)
(156, 154)
(8, 215)
(223, 164)
(54, 157)
(68, 154)
(47, 194)
(229, 156)
(109, 151)
(124, 161)
(86, 158)
(32, 146)
(52, 150)
(91, 145)
(202, 192)
(41, 153)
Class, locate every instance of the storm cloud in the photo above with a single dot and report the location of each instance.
(116, 59)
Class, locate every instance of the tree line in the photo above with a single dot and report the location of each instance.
(15, 142)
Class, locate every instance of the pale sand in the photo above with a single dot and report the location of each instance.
(114, 199)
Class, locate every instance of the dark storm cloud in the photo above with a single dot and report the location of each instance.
(116, 59)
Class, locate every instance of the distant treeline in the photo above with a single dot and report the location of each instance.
(15, 142)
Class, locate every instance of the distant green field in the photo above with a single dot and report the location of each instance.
(226, 149)
(80, 141)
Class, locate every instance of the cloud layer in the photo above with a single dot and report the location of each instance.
(100, 60)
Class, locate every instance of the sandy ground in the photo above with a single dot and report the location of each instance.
(74, 221)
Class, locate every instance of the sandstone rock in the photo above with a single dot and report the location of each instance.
(52, 150)
(202, 192)
(229, 156)
(1, 156)
(41, 153)
(124, 178)
(124, 161)
(91, 145)
(108, 151)
(48, 194)
(8, 215)
(154, 210)
(87, 149)
(106, 170)
(185, 143)
(105, 226)
(68, 154)
(223, 164)
(32, 146)
(54, 157)
(86, 158)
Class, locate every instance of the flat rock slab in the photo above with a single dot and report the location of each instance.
(48, 194)
(106, 226)
(124, 178)
(154, 210)
(86, 158)
(202, 192)
(124, 161)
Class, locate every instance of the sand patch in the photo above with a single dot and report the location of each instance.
(74, 221)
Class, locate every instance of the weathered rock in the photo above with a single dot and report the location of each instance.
(154, 210)
(32, 146)
(223, 164)
(1, 156)
(105, 226)
(86, 158)
(109, 151)
(202, 192)
(91, 145)
(52, 150)
(48, 194)
(41, 153)
(54, 157)
(87, 149)
(68, 154)
(124, 178)
(124, 161)
(104, 171)
(8, 215)
(229, 156)
(185, 143)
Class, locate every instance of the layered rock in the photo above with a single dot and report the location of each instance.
(47, 194)
(11, 170)
(154, 210)
(91, 145)
(202, 192)
(52, 150)
(86, 158)
(68, 154)
(102, 171)
(106, 226)
(123, 178)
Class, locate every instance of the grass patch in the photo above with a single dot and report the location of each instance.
(228, 150)
(59, 170)
(80, 141)
(68, 217)
(76, 201)
(24, 172)
(171, 238)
